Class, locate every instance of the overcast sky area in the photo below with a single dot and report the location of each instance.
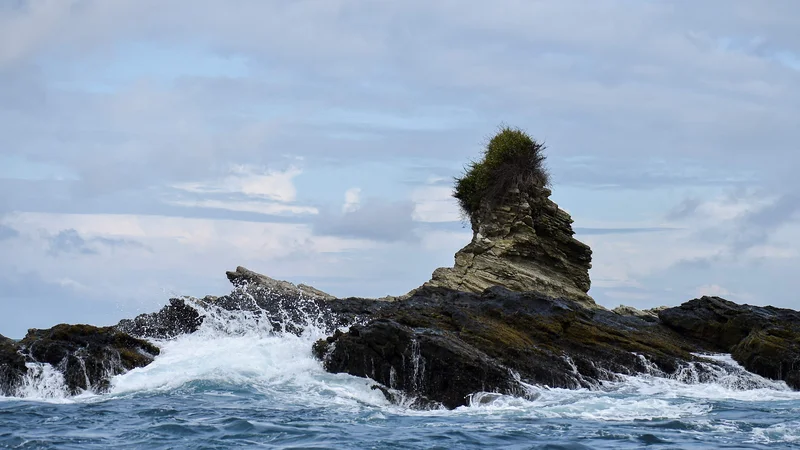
(146, 147)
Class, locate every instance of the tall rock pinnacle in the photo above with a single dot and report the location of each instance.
(521, 240)
(525, 243)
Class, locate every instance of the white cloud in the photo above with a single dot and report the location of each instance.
(251, 181)
(352, 200)
(259, 207)
(446, 242)
(712, 290)
(435, 204)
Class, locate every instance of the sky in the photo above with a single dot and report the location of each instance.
(146, 147)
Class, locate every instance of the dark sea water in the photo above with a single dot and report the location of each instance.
(230, 386)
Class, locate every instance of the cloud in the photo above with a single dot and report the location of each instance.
(7, 232)
(602, 231)
(375, 219)
(69, 241)
(352, 200)
(223, 137)
(435, 203)
(259, 207)
(712, 290)
(247, 180)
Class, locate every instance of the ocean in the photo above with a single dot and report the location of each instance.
(235, 384)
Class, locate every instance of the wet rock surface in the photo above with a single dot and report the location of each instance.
(765, 340)
(440, 346)
(87, 356)
(469, 343)
(173, 320)
(12, 366)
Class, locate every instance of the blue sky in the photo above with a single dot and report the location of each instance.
(145, 148)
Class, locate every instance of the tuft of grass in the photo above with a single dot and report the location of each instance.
(511, 159)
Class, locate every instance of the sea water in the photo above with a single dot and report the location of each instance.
(235, 383)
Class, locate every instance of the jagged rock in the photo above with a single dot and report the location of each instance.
(764, 340)
(772, 353)
(243, 277)
(650, 315)
(494, 335)
(12, 366)
(172, 320)
(88, 356)
(526, 243)
(432, 364)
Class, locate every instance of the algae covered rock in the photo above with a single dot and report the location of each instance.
(433, 365)
(763, 339)
(498, 341)
(12, 366)
(88, 356)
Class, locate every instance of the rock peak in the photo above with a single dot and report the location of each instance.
(523, 243)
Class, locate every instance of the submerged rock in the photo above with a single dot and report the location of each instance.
(525, 244)
(86, 355)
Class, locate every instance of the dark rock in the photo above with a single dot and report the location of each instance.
(12, 366)
(764, 340)
(772, 353)
(469, 343)
(88, 356)
(243, 277)
(428, 363)
(172, 320)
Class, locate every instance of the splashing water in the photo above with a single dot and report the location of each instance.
(248, 379)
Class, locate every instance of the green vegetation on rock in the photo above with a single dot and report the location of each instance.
(511, 160)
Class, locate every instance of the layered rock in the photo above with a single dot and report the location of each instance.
(525, 243)
(243, 278)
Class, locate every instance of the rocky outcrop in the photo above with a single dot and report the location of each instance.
(765, 340)
(650, 315)
(12, 366)
(243, 278)
(172, 320)
(431, 365)
(525, 243)
(87, 356)
(443, 345)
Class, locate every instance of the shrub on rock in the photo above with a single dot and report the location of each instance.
(511, 160)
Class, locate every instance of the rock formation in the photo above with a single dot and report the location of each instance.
(12, 366)
(86, 355)
(525, 243)
(765, 340)
(242, 278)
(172, 320)
(513, 311)
(442, 345)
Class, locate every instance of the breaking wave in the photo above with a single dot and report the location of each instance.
(240, 355)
